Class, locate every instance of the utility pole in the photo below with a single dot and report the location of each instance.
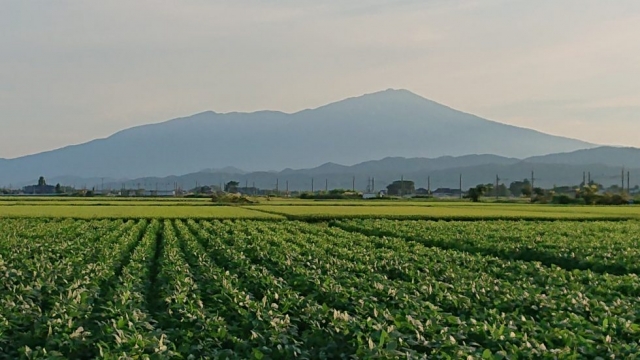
(628, 182)
(287, 185)
(373, 185)
(497, 184)
(589, 181)
(277, 186)
(353, 184)
(533, 179)
(584, 179)
(460, 186)
(326, 185)
(429, 185)
(312, 185)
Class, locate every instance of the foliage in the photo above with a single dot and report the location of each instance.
(230, 199)
(502, 190)
(564, 199)
(520, 188)
(588, 193)
(331, 195)
(475, 193)
(231, 187)
(359, 289)
(613, 199)
(401, 187)
(591, 197)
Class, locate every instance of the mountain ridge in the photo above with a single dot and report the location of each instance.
(443, 171)
(350, 131)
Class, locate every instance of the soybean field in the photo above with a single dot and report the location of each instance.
(341, 289)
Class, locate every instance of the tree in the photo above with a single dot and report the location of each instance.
(588, 193)
(488, 189)
(401, 187)
(59, 189)
(519, 188)
(231, 187)
(476, 192)
(502, 191)
(41, 181)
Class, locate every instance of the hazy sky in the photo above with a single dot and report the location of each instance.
(71, 71)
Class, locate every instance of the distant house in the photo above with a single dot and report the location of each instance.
(446, 192)
(248, 190)
(374, 195)
(159, 193)
(422, 191)
(39, 189)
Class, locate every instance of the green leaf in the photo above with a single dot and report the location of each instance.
(383, 337)
(486, 354)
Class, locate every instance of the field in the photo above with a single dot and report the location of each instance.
(345, 288)
(173, 208)
(452, 211)
(130, 211)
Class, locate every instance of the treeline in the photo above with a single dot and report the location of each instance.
(590, 194)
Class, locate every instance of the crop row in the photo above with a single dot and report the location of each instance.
(274, 290)
(607, 247)
(470, 293)
(50, 283)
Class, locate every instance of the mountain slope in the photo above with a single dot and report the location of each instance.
(442, 172)
(392, 122)
(606, 155)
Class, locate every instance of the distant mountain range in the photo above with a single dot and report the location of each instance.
(604, 165)
(374, 126)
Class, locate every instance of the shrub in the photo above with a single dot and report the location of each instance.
(565, 199)
(230, 199)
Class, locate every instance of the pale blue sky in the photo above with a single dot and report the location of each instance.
(72, 71)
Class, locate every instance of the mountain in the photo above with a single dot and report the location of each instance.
(442, 172)
(226, 169)
(373, 126)
(605, 155)
(337, 176)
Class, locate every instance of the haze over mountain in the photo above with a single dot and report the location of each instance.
(374, 126)
(606, 155)
(443, 172)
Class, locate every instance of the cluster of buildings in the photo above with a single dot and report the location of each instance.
(440, 193)
(42, 189)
